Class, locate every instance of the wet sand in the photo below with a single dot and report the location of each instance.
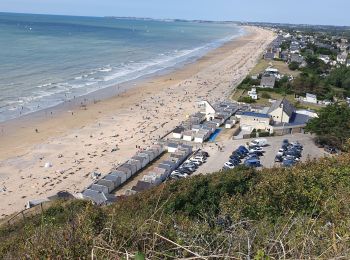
(78, 140)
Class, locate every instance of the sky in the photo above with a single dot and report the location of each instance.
(323, 12)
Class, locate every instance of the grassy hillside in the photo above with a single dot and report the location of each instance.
(295, 213)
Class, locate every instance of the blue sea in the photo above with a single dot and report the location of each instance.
(47, 60)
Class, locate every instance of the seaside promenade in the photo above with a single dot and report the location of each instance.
(74, 144)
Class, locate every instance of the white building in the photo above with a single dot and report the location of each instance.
(310, 98)
(253, 94)
(341, 58)
(324, 58)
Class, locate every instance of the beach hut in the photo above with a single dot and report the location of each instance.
(146, 156)
(109, 184)
(152, 178)
(150, 154)
(172, 164)
(158, 148)
(119, 174)
(229, 124)
(136, 162)
(188, 135)
(196, 128)
(166, 167)
(172, 147)
(163, 172)
(97, 197)
(142, 186)
(143, 161)
(218, 122)
(131, 167)
(177, 132)
(127, 170)
(124, 170)
(100, 188)
(186, 148)
(116, 179)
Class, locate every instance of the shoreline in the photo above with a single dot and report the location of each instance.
(79, 141)
(114, 90)
(110, 90)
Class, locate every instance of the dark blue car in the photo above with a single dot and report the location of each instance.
(252, 163)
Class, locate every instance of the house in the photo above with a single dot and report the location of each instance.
(267, 82)
(269, 56)
(296, 58)
(310, 98)
(281, 111)
(258, 121)
(341, 58)
(272, 72)
(209, 110)
(325, 58)
(253, 94)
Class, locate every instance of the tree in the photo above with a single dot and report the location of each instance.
(293, 65)
(332, 125)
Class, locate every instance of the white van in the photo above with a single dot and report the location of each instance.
(258, 142)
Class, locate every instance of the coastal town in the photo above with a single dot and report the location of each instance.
(257, 110)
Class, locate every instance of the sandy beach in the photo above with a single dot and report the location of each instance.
(79, 141)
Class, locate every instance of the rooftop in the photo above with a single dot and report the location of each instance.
(254, 114)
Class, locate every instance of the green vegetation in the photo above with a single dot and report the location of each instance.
(246, 99)
(332, 126)
(293, 213)
(293, 65)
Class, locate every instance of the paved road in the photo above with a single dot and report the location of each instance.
(217, 158)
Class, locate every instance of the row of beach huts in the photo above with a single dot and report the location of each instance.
(100, 192)
(163, 170)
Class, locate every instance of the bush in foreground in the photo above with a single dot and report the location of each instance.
(300, 212)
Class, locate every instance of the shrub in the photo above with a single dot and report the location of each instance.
(266, 95)
(248, 100)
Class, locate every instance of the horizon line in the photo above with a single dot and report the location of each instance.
(180, 19)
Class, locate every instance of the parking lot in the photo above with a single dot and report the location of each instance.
(219, 156)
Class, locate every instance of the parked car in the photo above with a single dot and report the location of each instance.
(235, 157)
(256, 149)
(330, 149)
(190, 164)
(180, 175)
(238, 154)
(252, 163)
(186, 170)
(285, 142)
(278, 158)
(199, 158)
(203, 153)
(242, 149)
(235, 163)
(258, 153)
(297, 145)
(196, 162)
(288, 163)
(229, 165)
(280, 152)
(259, 142)
(291, 157)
